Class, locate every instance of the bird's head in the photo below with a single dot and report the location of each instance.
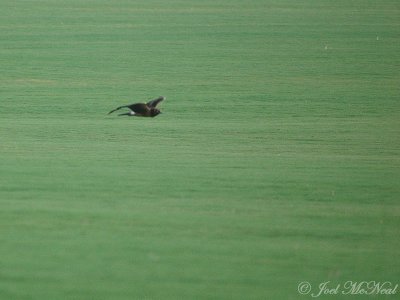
(155, 111)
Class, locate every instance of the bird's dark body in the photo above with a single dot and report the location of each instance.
(142, 109)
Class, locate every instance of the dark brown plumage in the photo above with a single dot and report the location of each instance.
(142, 109)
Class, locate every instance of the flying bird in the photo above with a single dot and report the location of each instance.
(142, 109)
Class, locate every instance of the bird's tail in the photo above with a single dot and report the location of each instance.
(117, 109)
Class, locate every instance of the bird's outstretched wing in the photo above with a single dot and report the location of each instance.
(139, 108)
(118, 108)
(154, 102)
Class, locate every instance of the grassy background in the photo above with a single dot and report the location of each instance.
(276, 160)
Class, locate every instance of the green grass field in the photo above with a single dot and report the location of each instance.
(276, 160)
